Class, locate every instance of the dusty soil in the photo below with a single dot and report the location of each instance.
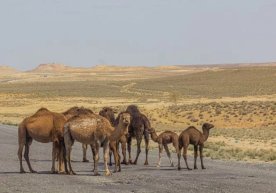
(220, 176)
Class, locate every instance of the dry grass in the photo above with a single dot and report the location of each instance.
(240, 102)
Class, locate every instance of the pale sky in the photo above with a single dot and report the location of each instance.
(143, 32)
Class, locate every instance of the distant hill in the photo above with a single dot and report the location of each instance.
(61, 68)
(50, 68)
(7, 70)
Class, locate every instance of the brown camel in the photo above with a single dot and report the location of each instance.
(108, 113)
(139, 127)
(163, 140)
(193, 136)
(97, 131)
(44, 126)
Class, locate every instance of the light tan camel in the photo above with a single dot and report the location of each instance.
(44, 126)
(193, 136)
(94, 130)
(108, 113)
(163, 140)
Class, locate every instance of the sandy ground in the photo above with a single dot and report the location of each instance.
(220, 176)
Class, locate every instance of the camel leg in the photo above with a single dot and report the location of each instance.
(26, 154)
(168, 154)
(19, 153)
(84, 150)
(160, 155)
(110, 157)
(22, 137)
(68, 146)
(54, 155)
(146, 137)
(185, 148)
(96, 158)
(201, 156)
(139, 140)
(123, 146)
(105, 152)
(176, 146)
(129, 140)
(195, 156)
(113, 149)
(93, 149)
(63, 152)
(118, 157)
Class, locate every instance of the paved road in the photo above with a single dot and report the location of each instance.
(220, 176)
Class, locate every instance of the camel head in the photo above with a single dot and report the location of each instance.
(74, 111)
(108, 113)
(132, 109)
(207, 126)
(124, 119)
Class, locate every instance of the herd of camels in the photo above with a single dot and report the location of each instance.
(103, 130)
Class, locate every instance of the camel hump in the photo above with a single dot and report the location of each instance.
(132, 109)
(41, 111)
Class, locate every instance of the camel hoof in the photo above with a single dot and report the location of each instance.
(204, 168)
(108, 173)
(158, 165)
(62, 172)
(85, 160)
(22, 172)
(195, 168)
(54, 172)
(189, 168)
(179, 168)
(72, 173)
(146, 163)
(124, 162)
(130, 161)
(97, 174)
(33, 171)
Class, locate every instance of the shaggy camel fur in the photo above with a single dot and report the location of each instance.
(193, 136)
(94, 130)
(163, 140)
(139, 127)
(44, 126)
(108, 113)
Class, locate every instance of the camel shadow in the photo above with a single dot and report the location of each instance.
(9, 173)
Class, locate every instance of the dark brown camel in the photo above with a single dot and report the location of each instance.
(139, 127)
(44, 126)
(163, 140)
(193, 136)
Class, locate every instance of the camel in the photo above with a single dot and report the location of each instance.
(193, 136)
(139, 127)
(44, 126)
(97, 131)
(108, 113)
(163, 140)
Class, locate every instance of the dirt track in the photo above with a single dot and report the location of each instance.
(220, 176)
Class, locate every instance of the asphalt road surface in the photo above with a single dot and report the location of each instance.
(220, 176)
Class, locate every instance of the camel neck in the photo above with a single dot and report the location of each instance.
(205, 134)
(118, 132)
(154, 136)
